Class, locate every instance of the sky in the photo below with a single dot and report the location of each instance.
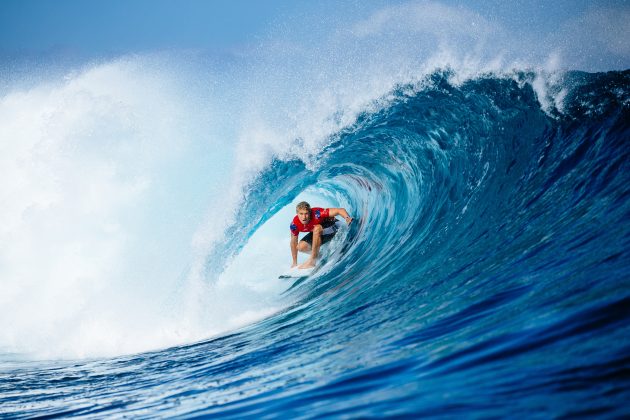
(89, 28)
(118, 26)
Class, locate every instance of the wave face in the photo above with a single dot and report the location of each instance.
(487, 273)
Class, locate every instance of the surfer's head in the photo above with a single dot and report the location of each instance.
(303, 212)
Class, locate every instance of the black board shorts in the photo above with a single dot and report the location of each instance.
(329, 224)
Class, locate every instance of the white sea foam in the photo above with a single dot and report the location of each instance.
(104, 175)
(116, 186)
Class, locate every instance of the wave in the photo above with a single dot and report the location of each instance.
(444, 161)
(489, 262)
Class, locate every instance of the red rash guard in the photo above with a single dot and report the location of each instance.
(318, 215)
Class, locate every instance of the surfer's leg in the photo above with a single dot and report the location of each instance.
(304, 246)
(317, 241)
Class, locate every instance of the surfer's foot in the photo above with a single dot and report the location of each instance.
(307, 264)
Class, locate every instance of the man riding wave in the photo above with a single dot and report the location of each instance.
(322, 225)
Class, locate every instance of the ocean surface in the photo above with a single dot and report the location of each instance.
(487, 274)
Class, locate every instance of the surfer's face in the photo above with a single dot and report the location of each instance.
(304, 216)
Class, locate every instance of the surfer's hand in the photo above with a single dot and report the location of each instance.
(293, 265)
(348, 219)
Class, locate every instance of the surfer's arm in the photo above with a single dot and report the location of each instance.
(332, 212)
(294, 251)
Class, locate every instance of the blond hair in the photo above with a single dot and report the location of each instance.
(303, 206)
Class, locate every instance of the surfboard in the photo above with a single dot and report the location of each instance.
(296, 273)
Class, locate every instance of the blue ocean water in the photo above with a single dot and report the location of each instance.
(487, 273)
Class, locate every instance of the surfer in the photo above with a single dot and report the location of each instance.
(321, 224)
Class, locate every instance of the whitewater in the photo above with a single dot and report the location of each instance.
(146, 202)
